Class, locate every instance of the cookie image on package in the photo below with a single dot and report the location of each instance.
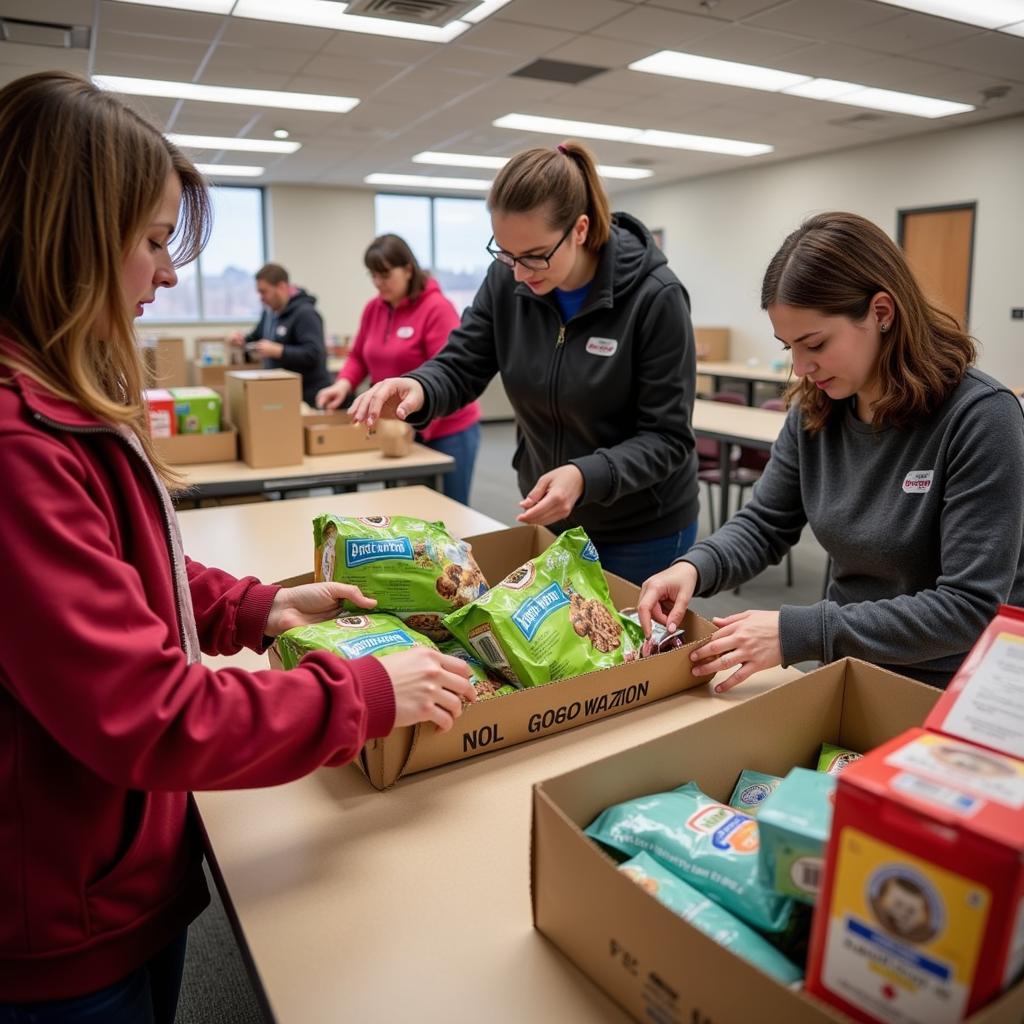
(460, 584)
(593, 620)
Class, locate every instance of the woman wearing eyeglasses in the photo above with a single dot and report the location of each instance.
(407, 322)
(591, 334)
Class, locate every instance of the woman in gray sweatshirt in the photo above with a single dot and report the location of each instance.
(907, 463)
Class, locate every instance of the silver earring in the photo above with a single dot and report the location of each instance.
(884, 327)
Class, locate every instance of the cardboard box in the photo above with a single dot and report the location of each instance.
(328, 433)
(538, 711)
(264, 408)
(187, 448)
(164, 362)
(163, 420)
(651, 962)
(210, 375)
(921, 911)
(712, 343)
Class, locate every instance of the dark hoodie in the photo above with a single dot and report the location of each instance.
(611, 391)
(300, 328)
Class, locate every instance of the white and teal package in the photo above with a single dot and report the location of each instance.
(709, 845)
(707, 916)
(795, 823)
(752, 789)
(350, 636)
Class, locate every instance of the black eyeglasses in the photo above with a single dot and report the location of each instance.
(527, 262)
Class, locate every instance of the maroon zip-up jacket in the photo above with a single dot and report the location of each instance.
(104, 725)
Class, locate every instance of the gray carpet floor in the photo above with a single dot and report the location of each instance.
(216, 988)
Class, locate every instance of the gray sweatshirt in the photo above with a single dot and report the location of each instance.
(925, 528)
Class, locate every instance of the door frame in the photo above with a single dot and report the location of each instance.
(901, 214)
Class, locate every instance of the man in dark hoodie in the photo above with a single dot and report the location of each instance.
(591, 333)
(290, 334)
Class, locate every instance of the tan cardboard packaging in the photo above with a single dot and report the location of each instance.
(264, 407)
(649, 960)
(164, 362)
(329, 433)
(188, 448)
(538, 711)
(712, 343)
(208, 375)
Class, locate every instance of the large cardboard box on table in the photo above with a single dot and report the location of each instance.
(264, 406)
(535, 711)
(648, 959)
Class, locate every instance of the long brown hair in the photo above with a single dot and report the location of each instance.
(80, 176)
(386, 252)
(835, 263)
(563, 181)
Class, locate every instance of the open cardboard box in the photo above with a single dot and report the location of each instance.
(537, 711)
(649, 960)
(182, 449)
(328, 433)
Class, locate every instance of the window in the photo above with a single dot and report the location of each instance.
(448, 236)
(220, 285)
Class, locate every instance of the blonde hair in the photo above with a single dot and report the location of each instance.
(67, 221)
(563, 181)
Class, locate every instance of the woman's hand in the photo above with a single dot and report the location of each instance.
(398, 396)
(666, 596)
(553, 497)
(333, 396)
(429, 686)
(748, 639)
(311, 603)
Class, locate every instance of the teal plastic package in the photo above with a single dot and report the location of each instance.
(752, 789)
(711, 846)
(707, 916)
(795, 823)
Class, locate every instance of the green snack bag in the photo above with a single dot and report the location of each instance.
(549, 619)
(795, 823)
(350, 636)
(197, 410)
(709, 845)
(833, 759)
(752, 789)
(485, 686)
(408, 565)
(707, 916)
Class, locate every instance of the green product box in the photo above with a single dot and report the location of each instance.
(795, 822)
(197, 410)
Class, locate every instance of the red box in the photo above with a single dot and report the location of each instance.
(921, 917)
(163, 420)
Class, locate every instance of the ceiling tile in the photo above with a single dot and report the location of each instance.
(663, 30)
(63, 12)
(159, 47)
(287, 62)
(723, 10)
(364, 47)
(909, 32)
(993, 52)
(749, 45)
(599, 50)
(828, 60)
(368, 72)
(825, 19)
(132, 66)
(274, 35)
(509, 37)
(470, 58)
(253, 77)
(156, 21)
(572, 15)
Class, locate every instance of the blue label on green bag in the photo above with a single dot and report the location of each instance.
(359, 551)
(368, 644)
(530, 614)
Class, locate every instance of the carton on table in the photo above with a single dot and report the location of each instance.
(536, 711)
(650, 961)
(264, 407)
(328, 433)
(184, 449)
(198, 410)
(164, 362)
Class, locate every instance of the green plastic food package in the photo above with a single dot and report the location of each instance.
(710, 845)
(833, 759)
(752, 789)
(550, 619)
(485, 686)
(707, 916)
(408, 565)
(349, 636)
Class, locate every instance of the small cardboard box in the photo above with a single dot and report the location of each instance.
(650, 961)
(183, 449)
(541, 710)
(210, 375)
(164, 362)
(163, 420)
(712, 343)
(264, 407)
(328, 433)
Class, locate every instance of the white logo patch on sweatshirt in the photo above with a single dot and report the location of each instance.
(917, 481)
(405, 332)
(602, 346)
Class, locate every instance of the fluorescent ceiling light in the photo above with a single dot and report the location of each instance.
(203, 6)
(1014, 30)
(239, 145)
(485, 10)
(225, 94)
(640, 136)
(229, 170)
(327, 14)
(749, 76)
(723, 72)
(426, 181)
(984, 13)
(494, 163)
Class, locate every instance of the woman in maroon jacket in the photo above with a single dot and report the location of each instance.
(107, 716)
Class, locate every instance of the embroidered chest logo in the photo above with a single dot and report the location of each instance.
(602, 346)
(917, 481)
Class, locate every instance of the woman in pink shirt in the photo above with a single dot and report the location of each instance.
(405, 325)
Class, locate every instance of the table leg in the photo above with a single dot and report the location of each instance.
(438, 482)
(724, 471)
(750, 392)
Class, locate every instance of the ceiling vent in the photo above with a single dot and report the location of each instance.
(558, 71)
(44, 33)
(421, 12)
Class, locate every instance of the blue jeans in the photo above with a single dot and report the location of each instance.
(149, 995)
(637, 560)
(462, 447)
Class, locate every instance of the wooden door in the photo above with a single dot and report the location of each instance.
(939, 245)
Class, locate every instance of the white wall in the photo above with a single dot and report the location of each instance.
(720, 231)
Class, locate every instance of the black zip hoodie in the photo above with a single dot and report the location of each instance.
(611, 391)
(300, 328)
